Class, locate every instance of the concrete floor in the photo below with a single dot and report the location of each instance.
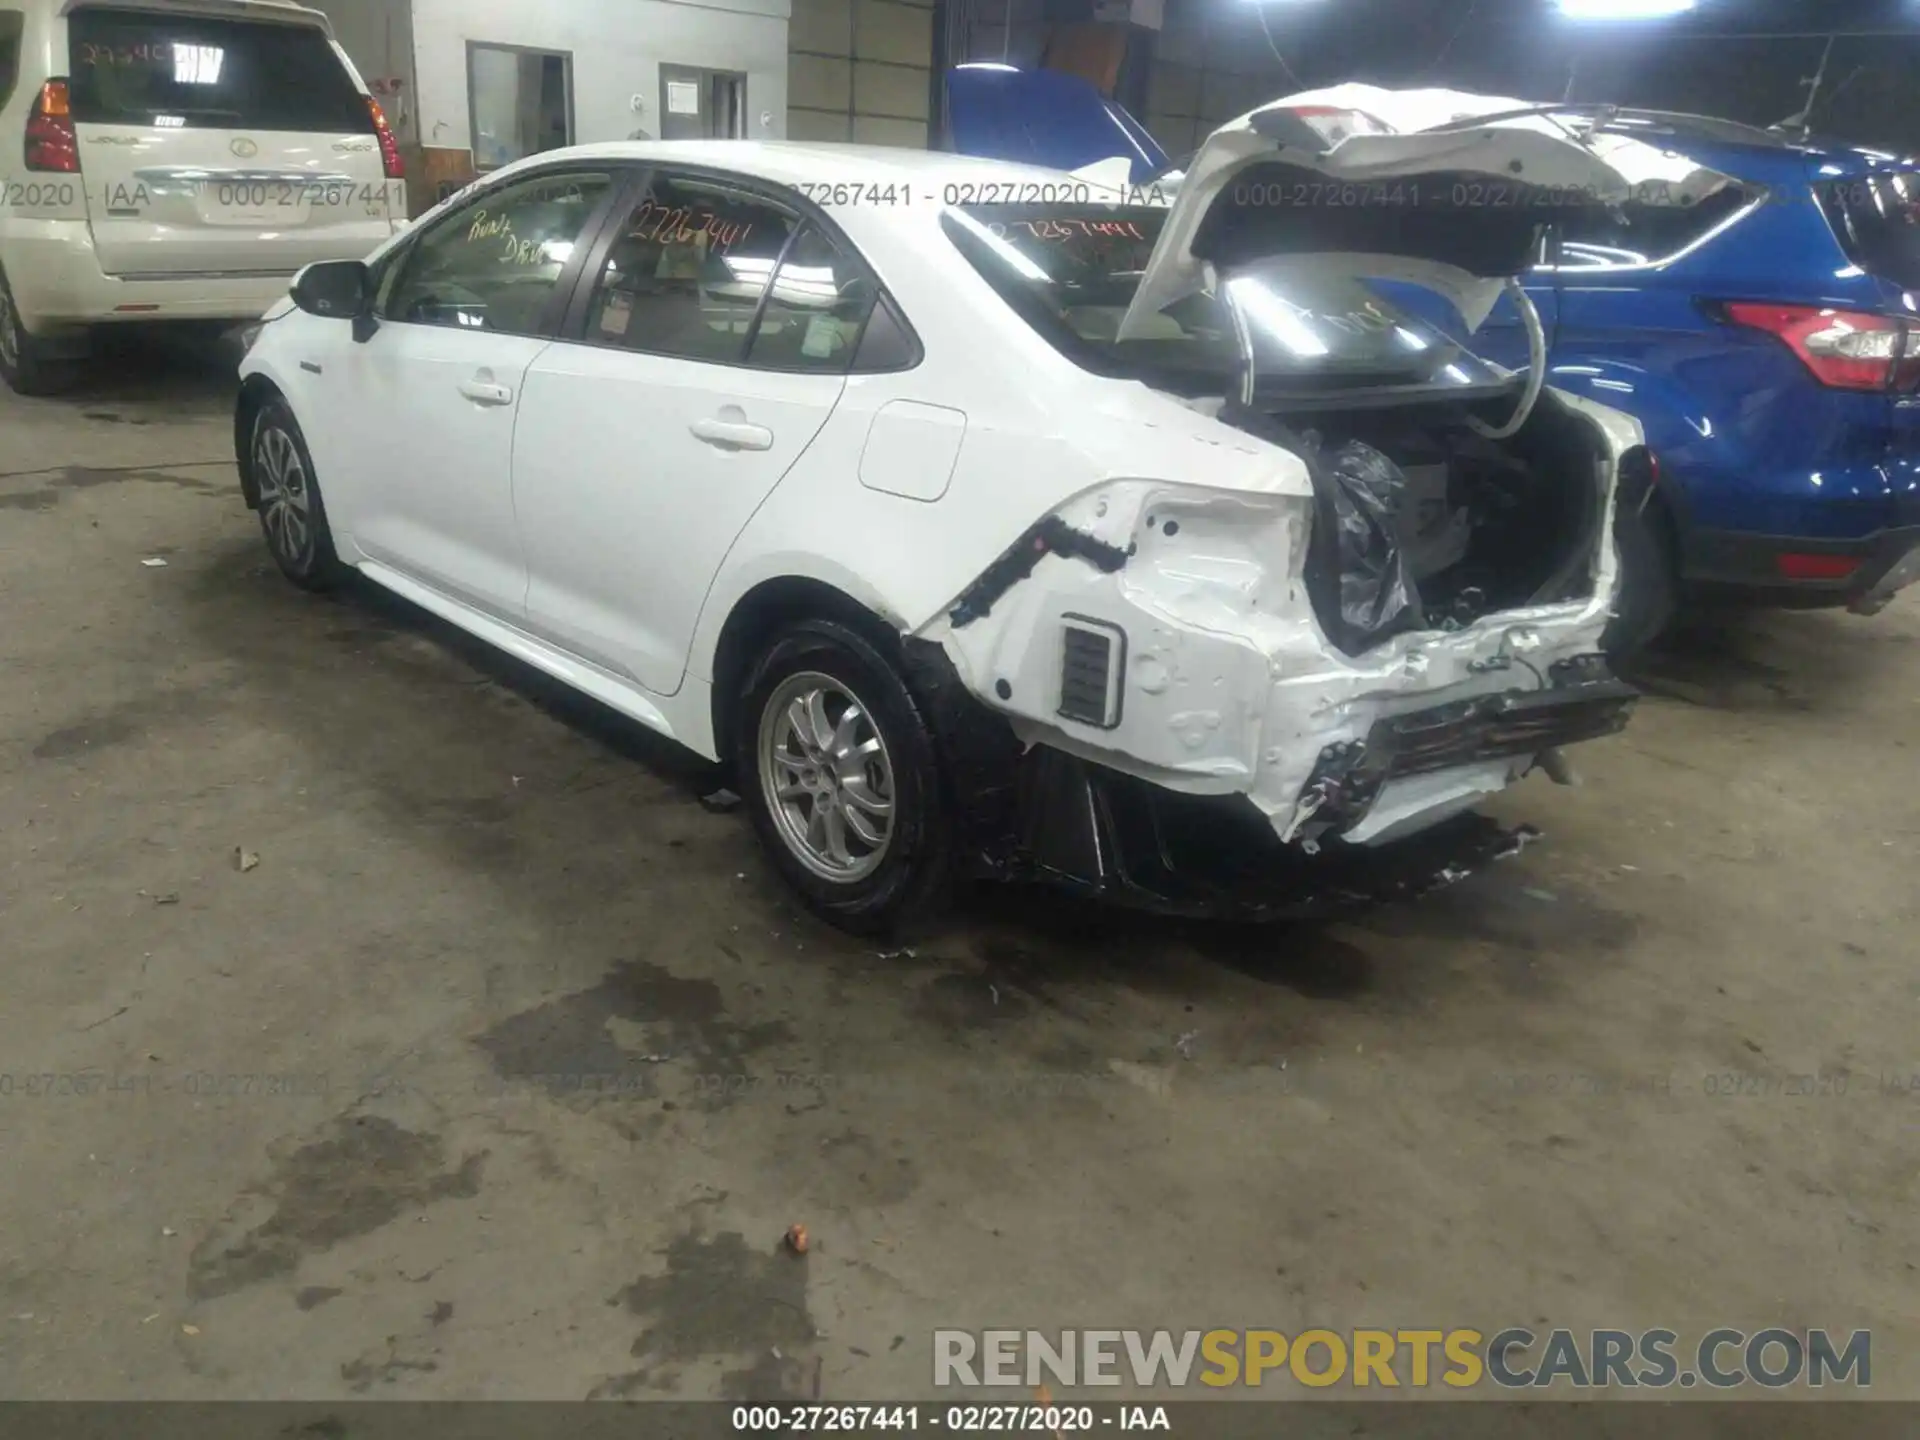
(320, 1150)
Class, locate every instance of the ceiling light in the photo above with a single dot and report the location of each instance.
(1623, 9)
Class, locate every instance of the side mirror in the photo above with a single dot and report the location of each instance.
(335, 290)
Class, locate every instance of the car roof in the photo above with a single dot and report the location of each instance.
(803, 162)
(215, 9)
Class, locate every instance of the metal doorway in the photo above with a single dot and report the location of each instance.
(701, 104)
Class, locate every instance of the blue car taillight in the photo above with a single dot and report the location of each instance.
(1845, 349)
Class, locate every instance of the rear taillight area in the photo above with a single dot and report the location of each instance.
(1845, 349)
(389, 147)
(1796, 566)
(51, 145)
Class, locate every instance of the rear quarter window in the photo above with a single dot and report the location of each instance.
(138, 67)
(1644, 234)
(1877, 218)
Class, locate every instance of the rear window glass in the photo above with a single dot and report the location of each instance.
(1072, 272)
(133, 67)
(1877, 218)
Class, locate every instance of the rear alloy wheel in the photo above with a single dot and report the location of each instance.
(24, 364)
(845, 786)
(292, 517)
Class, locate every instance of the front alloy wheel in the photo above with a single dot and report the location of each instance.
(293, 518)
(285, 513)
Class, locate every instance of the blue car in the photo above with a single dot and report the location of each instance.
(1767, 339)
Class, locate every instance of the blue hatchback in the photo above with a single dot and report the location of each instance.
(1767, 339)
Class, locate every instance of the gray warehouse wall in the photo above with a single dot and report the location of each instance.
(378, 36)
(859, 70)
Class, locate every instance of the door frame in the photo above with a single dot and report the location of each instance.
(473, 118)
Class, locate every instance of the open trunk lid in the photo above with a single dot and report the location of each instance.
(1458, 211)
(223, 137)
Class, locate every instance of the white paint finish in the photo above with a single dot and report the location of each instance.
(165, 202)
(631, 481)
(911, 449)
(1411, 804)
(430, 454)
(640, 539)
(617, 47)
(607, 689)
(1553, 161)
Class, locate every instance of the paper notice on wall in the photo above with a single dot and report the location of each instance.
(683, 97)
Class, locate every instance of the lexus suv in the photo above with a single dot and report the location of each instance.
(174, 160)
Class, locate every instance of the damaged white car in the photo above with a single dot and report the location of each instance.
(987, 521)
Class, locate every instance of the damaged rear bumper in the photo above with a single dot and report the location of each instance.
(1114, 838)
(1365, 831)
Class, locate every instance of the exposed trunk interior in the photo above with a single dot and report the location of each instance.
(1421, 523)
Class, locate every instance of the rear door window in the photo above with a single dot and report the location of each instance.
(816, 308)
(142, 67)
(688, 270)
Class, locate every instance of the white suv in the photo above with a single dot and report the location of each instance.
(174, 160)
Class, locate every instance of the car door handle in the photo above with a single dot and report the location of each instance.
(732, 434)
(485, 392)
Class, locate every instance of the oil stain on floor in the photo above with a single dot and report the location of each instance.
(365, 1174)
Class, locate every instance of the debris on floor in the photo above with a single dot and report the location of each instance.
(720, 801)
(153, 562)
(796, 1239)
(904, 953)
(244, 859)
(1186, 1044)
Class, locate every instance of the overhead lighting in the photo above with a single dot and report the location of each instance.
(1623, 9)
(197, 64)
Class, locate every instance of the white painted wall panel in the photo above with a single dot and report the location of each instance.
(617, 46)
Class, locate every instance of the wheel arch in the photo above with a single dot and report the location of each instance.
(759, 614)
(255, 392)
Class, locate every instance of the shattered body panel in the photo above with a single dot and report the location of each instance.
(1231, 690)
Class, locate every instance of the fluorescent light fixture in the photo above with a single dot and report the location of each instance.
(197, 64)
(1624, 9)
(1022, 266)
(987, 65)
(1281, 321)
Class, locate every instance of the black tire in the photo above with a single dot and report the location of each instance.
(910, 879)
(1649, 582)
(24, 362)
(293, 517)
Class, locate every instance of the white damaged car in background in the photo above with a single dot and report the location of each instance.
(988, 522)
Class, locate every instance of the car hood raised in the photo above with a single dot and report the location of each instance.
(1458, 210)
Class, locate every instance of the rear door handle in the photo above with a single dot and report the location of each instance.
(485, 392)
(732, 434)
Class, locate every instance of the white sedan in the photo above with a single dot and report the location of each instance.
(984, 520)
